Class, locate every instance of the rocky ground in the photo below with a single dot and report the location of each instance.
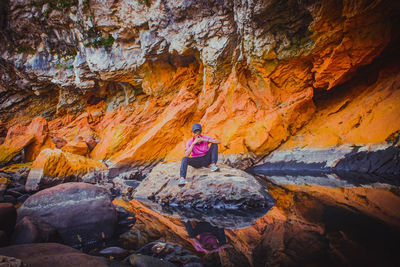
(79, 212)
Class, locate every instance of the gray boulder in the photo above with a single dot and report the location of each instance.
(228, 188)
(81, 213)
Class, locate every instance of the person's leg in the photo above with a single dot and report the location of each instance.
(195, 162)
(184, 165)
(213, 157)
(214, 153)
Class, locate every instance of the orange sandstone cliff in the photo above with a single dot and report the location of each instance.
(260, 76)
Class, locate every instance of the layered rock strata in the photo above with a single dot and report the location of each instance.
(137, 76)
(53, 167)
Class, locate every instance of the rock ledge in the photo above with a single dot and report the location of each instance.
(228, 188)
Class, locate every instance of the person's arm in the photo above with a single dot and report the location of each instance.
(214, 141)
(189, 149)
(210, 140)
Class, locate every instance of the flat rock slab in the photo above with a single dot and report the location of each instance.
(81, 213)
(228, 188)
(51, 255)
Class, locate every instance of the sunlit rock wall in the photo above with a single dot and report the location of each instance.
(136, 74)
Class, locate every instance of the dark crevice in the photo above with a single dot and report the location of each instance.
(368, 74)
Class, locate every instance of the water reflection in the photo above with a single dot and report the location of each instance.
(315, 220)
(231, 219)
(205, 237)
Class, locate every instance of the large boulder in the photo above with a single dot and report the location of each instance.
(81, 213)
(53, 167)
(229, 188)
(51, 255)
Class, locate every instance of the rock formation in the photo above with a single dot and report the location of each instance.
(81, 213)
(226, 189)
(137, 75)
(54, 167)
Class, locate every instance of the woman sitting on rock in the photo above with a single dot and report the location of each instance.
(202, 155)
(206, 238)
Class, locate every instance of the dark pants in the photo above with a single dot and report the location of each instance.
(210, 157)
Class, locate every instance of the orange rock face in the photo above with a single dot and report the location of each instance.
(261, 92)
(53, 166)
(363, 112)
(39, 128)
(76, 147)
(33, 138)
(55, 163)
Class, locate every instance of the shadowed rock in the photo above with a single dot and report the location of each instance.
(80, 212)
(51, 255)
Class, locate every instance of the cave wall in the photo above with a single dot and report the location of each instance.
(254, 73)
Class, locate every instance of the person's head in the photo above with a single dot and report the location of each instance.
(196, 129)
(207, 243)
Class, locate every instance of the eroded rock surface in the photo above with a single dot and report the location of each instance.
(229, 188)
(53, 167)
(136, 76)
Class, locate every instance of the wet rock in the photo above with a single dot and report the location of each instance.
(8, 216)
(232, 219)
(126, 220)
(134, 239)
(10, 262)
(51, 254)
(169, 252)
(53, 167)
(116, 252)
(380, 160)
(125, 187)
(229, 188)
(80, 212)
(148, 261)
